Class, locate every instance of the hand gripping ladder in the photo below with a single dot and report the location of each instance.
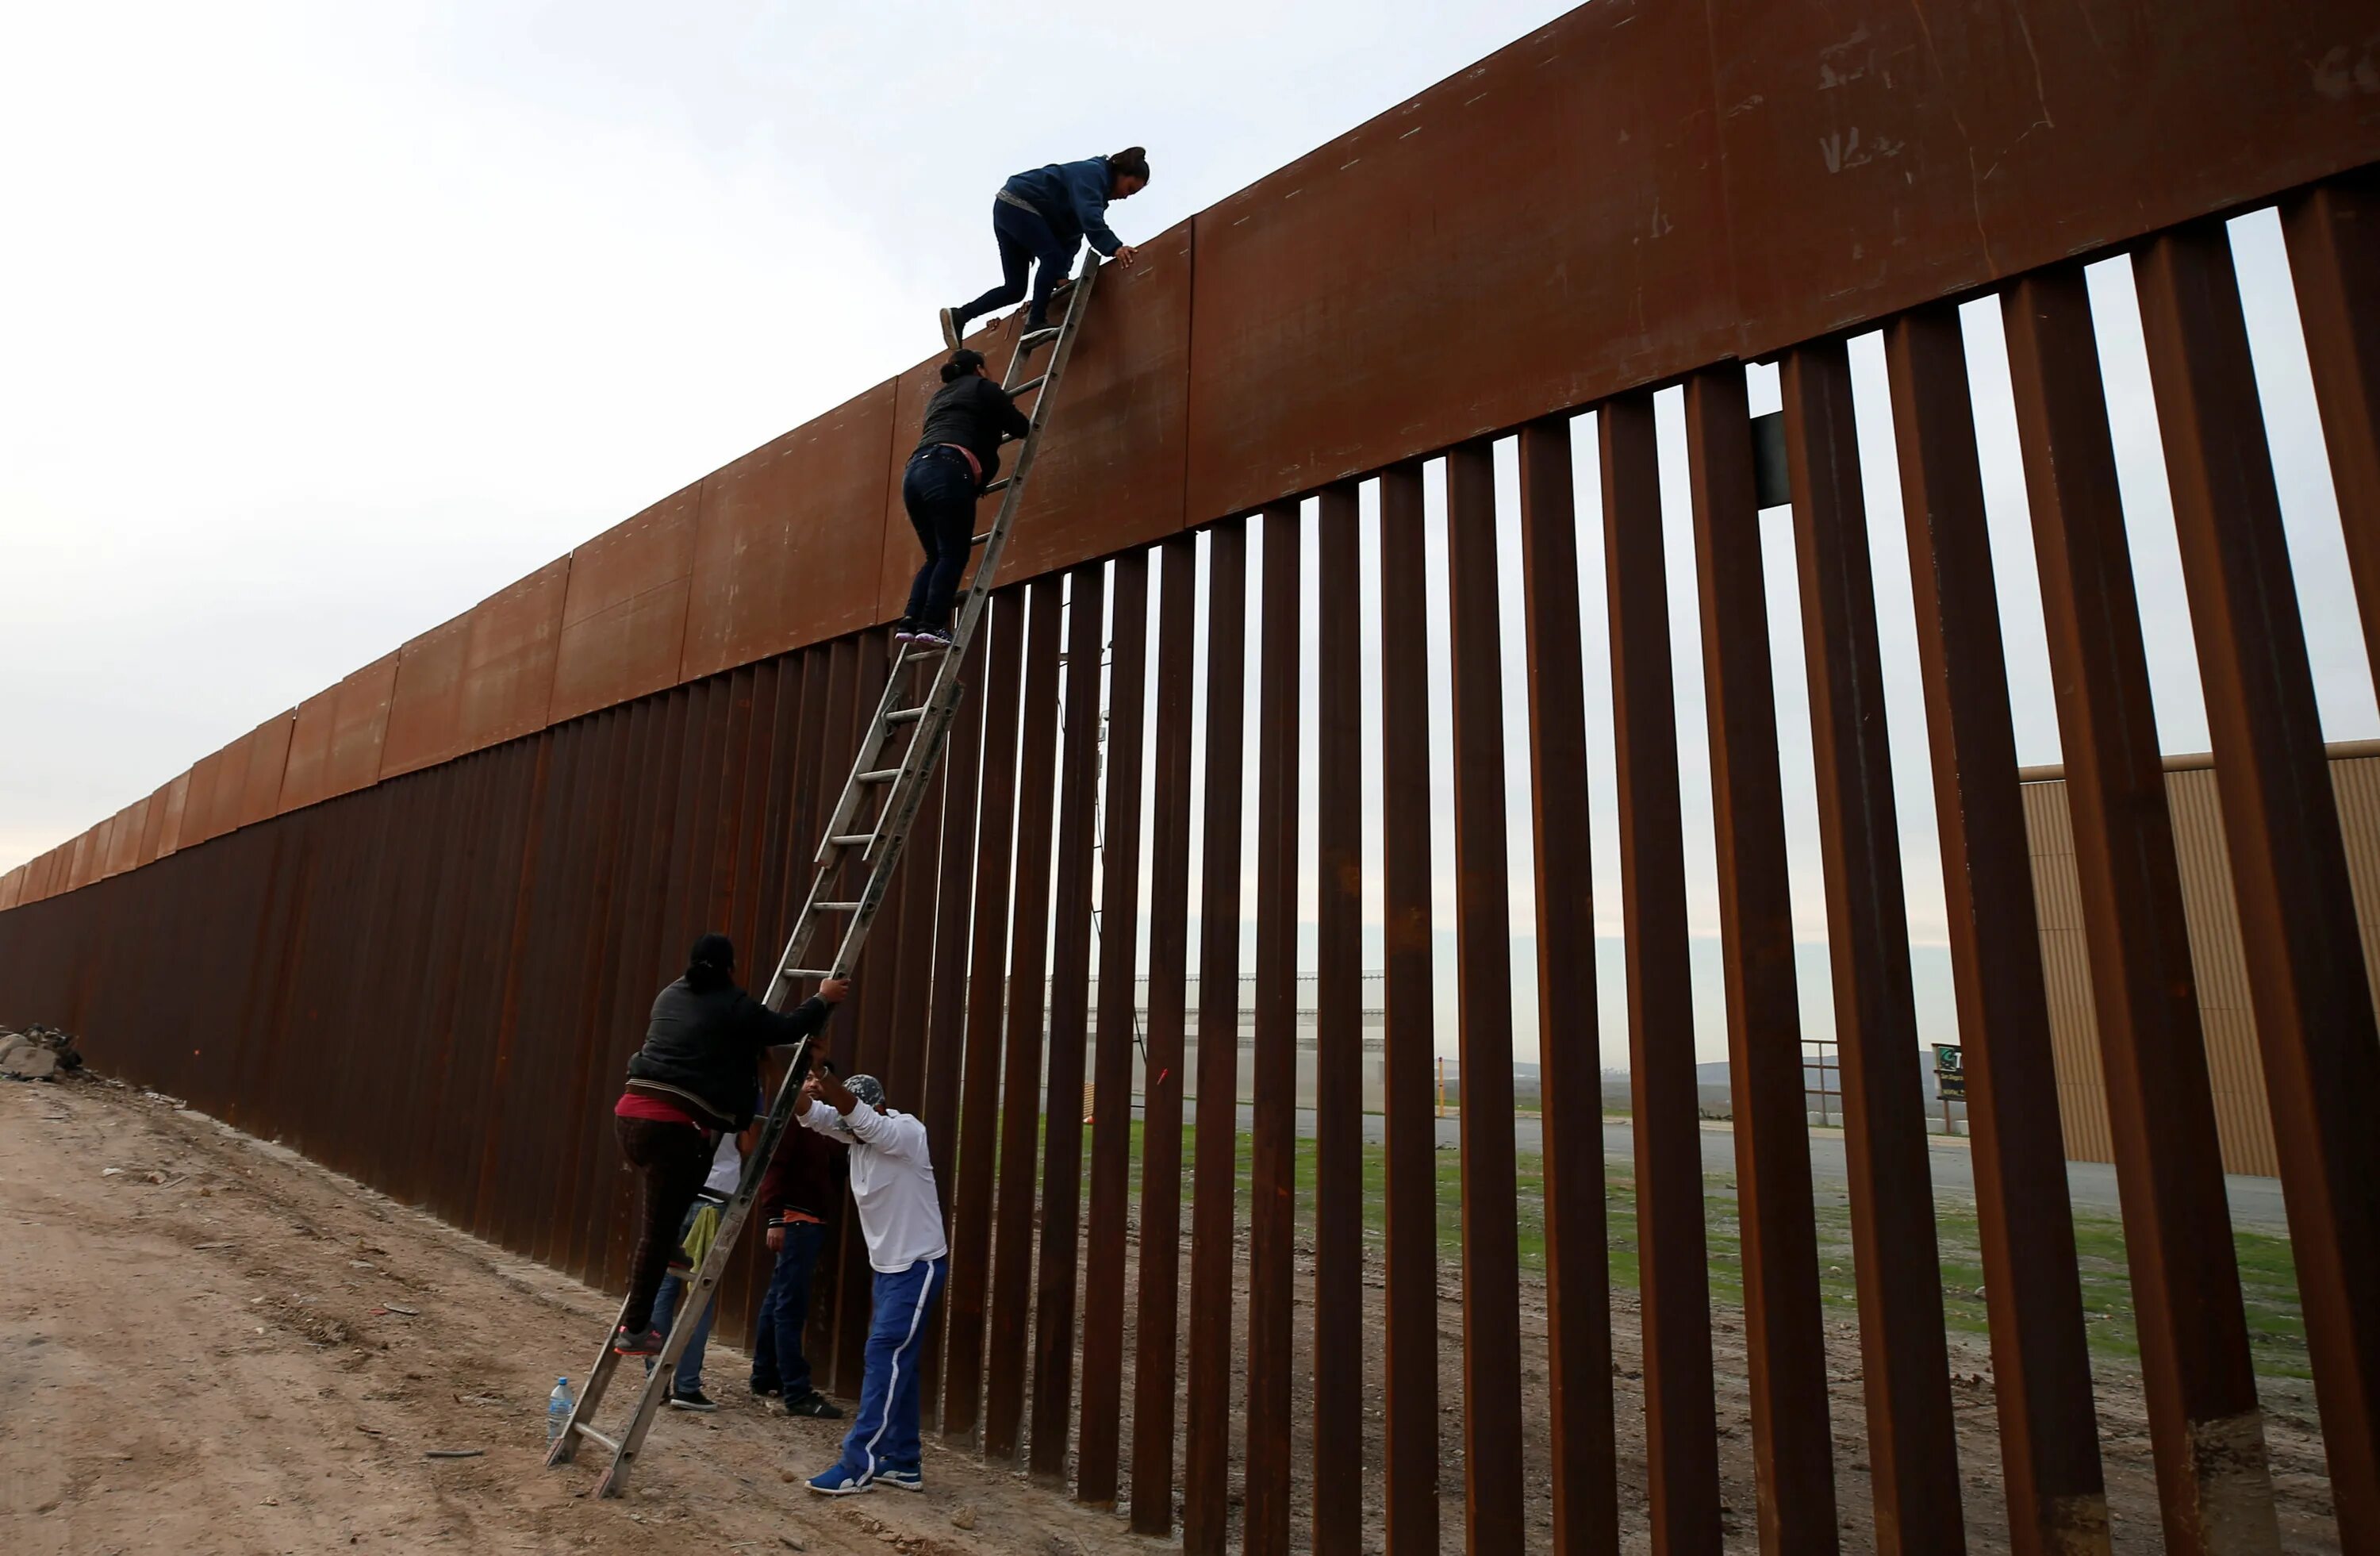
(891, 786)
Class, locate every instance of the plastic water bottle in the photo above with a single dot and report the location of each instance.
(558, 1407)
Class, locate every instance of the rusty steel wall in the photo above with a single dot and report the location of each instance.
(424, 950)
(1692, 184)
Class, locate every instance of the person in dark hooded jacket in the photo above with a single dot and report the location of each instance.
(957, 455)
(1043, 215)
(694, 1079)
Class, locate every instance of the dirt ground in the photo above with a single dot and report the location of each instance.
(213, 1362)
(203, 1351)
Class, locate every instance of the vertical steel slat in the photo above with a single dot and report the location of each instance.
(866, 1031)
(1062, 1122)
(1411, 1481)
(537, 1145)
(2041, 1364)
(872, 1020)
(724, 838)
(1272, 1243)
(1482, 950)
(2333, 232)
(979, 1103)
(502, 1172)
(1673, 1281)
(2306, 977)
(1103, 1396)
(846, 700)
(1786, 1363)
(912, 965)
(2206, 1428)
(1578, 1266)
(637, 734)
(805, 810)
(773, 920)
(946, 1017)
(1906, 1360)
(1893, 1219)
(617, 755)
(1028, 964)
(1336, 1425)
(749, 797)
(1155, 1328)
(1206, 1445)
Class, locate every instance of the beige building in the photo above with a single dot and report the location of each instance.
(2241, 1116)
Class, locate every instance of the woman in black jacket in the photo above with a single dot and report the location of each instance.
(693, 1080)
(957, 456)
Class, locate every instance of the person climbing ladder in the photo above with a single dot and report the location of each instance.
(1043, 215)
(957, 454)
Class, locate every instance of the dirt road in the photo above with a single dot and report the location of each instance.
(205, 1350)
(215, 1362)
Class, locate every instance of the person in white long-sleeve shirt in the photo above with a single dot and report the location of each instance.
(892, 1184)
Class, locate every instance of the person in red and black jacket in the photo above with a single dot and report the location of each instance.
(694, 1079)
(798, 1193)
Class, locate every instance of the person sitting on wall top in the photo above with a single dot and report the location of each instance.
(1043, 215)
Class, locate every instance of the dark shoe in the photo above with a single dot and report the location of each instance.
(765, 1391)
(954, 327)
(815, 1406)
(648, 1343)
(693, 1399)
(930, 641)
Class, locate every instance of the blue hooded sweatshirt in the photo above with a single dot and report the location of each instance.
(1073, 198)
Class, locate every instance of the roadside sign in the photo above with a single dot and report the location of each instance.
(1950, 1074)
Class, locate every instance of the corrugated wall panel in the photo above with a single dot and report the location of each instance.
(2244, 1114)
(623, 614)
(508, 658)
(425, 713)
(268, 763)
(791, 540)
(177, 801)
(305, 774)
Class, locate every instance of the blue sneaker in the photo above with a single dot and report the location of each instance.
(838, 1482)
(901, 1479)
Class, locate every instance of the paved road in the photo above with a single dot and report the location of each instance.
(2255, 1202)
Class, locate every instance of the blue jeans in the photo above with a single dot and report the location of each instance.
(1024, 237)
(938, 491)
(690, 1365)
(884, 1433)
(777, 1359)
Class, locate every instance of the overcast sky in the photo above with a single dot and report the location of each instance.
(325, 322)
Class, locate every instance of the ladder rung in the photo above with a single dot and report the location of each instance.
(590, 1432)
(1001, 484)
(799, 973)
(851, 839)
(881, 775)
(905, 715)
(981, 538)
(1035, 337)
(1028, 386)
(836, 906)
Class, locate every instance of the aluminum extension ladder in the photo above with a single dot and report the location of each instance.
(850, 840)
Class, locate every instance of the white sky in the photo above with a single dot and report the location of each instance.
(325, 322)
